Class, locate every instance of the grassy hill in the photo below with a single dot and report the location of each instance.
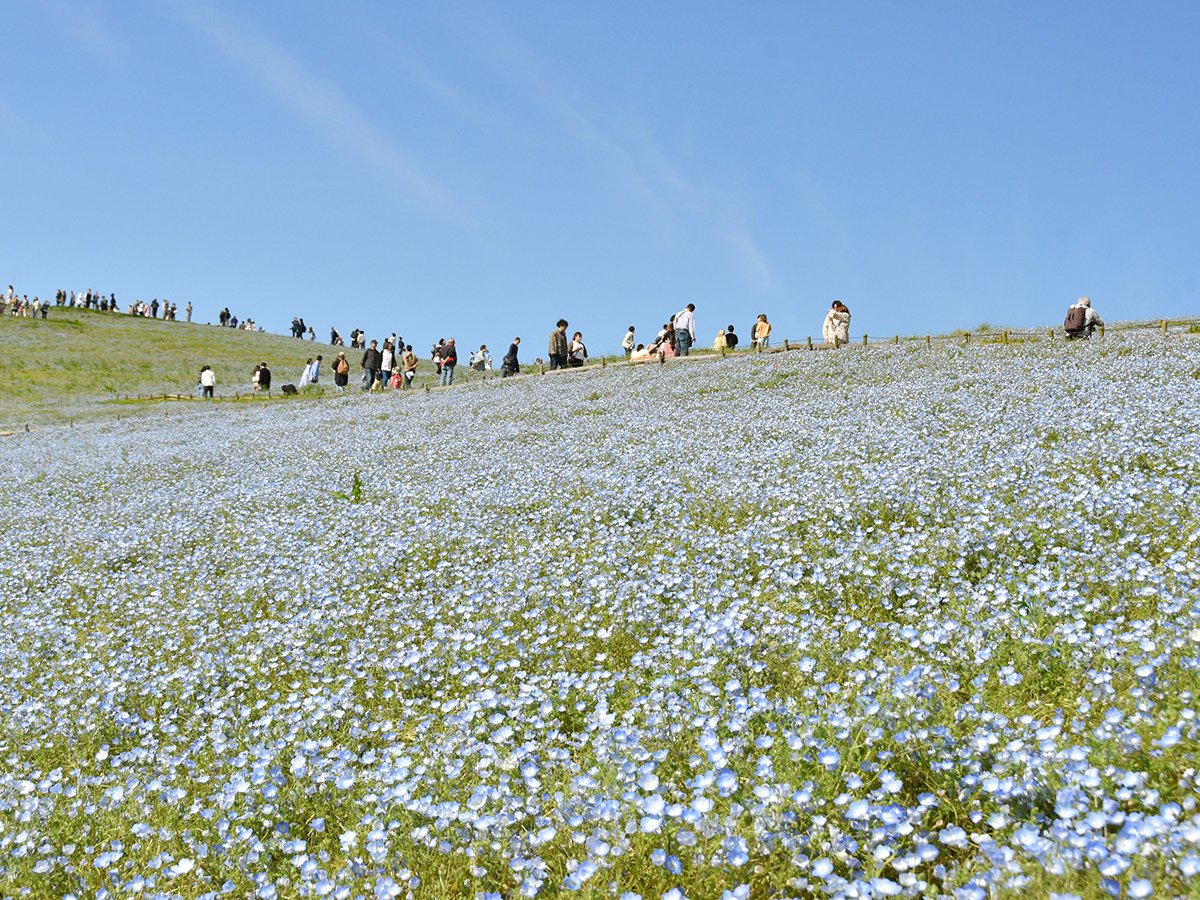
(70, 364)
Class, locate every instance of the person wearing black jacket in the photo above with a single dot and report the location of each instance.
(371, 360)
(509, 365)
(449, 361)
(264, 378)
(731, 339)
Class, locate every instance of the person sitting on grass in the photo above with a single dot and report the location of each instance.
(1082, 321)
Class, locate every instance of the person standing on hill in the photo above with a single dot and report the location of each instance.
(685, 329)
(387, 363)
(449, 361)
(836, 327)
(188, 311)
(628, 342)
(208, 381)
(558, 346)
(153, 308)
(577, 351)
(314, 374)
(370, 366)
(264, 378)
(509, 365)
(731, 339)
(306, 376)
(409, 364)
(762, 332)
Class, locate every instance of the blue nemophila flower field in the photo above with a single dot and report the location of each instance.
(855, 624)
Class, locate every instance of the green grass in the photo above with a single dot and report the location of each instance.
(82, 364)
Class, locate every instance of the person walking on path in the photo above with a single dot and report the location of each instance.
(685, 329)
(208, 381)
(836, 328)
(449, 361)
(762, 332)
(314, 374)
(509, 365)
(306, 376)
(628, 342)
(558, 346)
(370, 366)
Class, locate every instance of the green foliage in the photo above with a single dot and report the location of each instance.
(356, 490)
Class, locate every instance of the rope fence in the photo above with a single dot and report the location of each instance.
(1165, 327)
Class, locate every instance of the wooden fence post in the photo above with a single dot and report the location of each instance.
(895, 339)
(786, 345)
(662, 357)
(810, 342)
(928, 341)
(864, 340)
(967, 338)
(603, 363)
(1051, 334)
(1164, 326)
(1005, 337)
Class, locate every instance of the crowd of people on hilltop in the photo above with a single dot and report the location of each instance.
(394, 364)
(21, 305)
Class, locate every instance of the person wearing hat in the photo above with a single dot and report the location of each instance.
(341, 370)
(1088, 321)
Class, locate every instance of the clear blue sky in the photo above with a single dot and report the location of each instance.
(480, 169)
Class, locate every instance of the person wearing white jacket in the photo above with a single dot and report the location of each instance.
(836, 329)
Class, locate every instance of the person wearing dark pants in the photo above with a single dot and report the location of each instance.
(558, 346)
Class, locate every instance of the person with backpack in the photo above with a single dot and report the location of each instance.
(449, 359)
(1081, 320)
(341, 370)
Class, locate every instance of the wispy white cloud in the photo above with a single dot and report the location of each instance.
(640, 163)
(323, 105)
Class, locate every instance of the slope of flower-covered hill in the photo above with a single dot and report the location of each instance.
(906, 622)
